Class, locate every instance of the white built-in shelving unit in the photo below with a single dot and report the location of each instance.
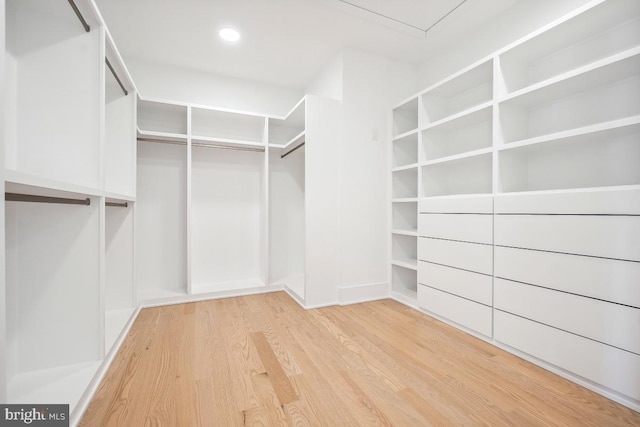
(525, 166)
(222, 199)
(69, 171)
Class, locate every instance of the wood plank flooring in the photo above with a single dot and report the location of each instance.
(263, 360)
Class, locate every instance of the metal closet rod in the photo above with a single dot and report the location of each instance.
(116, 76)
(86, 26)
(15, 197)
(282, 156)
(201, 144)
(117, 205)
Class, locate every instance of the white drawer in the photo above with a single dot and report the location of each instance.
(611, 367)
(612, 324)
(605, 236)
(468, 256)
(467, 313)
(612, 202)
(606, 279)
(476, 228)
(473, 286)
(457, 204)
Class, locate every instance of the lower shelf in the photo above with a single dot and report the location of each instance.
(58, 385)
(115, 321)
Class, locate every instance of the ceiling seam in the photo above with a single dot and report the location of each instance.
(424, 30)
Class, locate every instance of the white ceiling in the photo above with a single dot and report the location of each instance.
(287, 42)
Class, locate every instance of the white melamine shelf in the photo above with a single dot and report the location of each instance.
(405, 118)
(404, 249)
(608, 157)
(468, 175)
(22, 183)
(225, 142)
(468, 133)
(405, 150)
(404, 216)
(404, 279)
(119, 198)
(607, 93)
(162, 116)
(460, 118)
(405, 200)
(413, 233)
(405, 167)
(585, 130)
(456, 157)
(405, 184)
(162, 136)
(411, 264)
(224, 125)
(283, 131)
(471, 88)
(298, 139)
(605, 29)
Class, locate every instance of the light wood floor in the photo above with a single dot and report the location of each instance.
(263, 360)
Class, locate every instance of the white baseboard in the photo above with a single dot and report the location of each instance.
(363, 293)
(210, 296)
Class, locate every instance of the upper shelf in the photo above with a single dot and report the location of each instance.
(224, 126)
(608, 28)
(405, 117)
(162, 117)
(283, 132)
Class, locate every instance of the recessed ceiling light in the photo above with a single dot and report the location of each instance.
(229, 34)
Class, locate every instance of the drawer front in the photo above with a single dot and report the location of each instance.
(467, 313)
(475, 228)
(473, 286)
(611, 367)
(612, 202)
(468, 256)
(606, 279)
(605, 236)
(609, 323)
(466, 204)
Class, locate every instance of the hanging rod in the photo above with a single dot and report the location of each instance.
(282, 156)
(116, 76)
(86, 26)
(202, 144)
(117, 205)
(14, 197)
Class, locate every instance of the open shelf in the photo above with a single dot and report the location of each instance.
(404, 249)
(405, 184)
(405, 216)
(405, 117)
(404, 281)
(216, 125)
(226, 216)
(405, 150)
(467, 133)
(52, 100)
(161, 221)
(457, 94)
(607, 93)
(283, 131)
(162, 117)
(52, 263)
(604, 30)
(606, 158)
(469, 175)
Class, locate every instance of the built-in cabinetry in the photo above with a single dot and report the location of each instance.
(223, 198)
(69, 172)
(526, 169)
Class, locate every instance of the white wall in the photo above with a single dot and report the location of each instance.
(519, 20)
(3, 345)
(372, 85)
(329, 81)
(180, 84)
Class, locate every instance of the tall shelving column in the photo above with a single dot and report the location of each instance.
(404, 200)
